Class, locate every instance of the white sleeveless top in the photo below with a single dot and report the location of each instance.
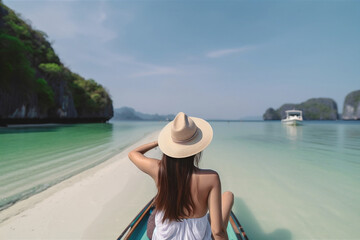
(187, 229)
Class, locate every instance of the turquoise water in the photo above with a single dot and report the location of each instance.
(289, 182)
(35, 158)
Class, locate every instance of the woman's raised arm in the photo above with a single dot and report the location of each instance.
(147, 165)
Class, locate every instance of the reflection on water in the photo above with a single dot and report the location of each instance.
(293, 132)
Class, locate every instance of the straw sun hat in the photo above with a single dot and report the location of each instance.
(185, 136)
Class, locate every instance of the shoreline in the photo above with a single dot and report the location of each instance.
(97, 203)
(51, 120)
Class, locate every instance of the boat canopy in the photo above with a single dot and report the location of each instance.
(293, 113)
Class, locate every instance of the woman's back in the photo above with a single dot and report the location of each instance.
(196, 224)
(185, 192)
(202, 181)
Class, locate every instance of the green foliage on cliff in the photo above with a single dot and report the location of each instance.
(28, 63)
(317, 110)
(271, 114)
(353, 98)
(14, 65)
(45, 94)
(88, 95)
(351, 108)
(34, 40)
(19, 28)
(50, 67)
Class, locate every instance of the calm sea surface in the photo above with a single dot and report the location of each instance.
(289, 182)
(35, 158)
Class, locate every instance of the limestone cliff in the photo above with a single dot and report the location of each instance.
(271, 114)
(313, 109)
(35, 87)
(351, 109)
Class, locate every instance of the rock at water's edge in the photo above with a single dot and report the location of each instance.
(351, 109)
(271, 114)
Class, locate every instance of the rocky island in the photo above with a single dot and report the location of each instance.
(351, 110)
(313, 109)
(36, 87)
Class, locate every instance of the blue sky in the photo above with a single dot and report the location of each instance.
(211, 59)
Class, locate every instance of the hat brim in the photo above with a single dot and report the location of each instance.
(186, 149)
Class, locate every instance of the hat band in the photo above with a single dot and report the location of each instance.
(187, 140)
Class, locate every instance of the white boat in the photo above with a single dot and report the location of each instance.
(293, 118)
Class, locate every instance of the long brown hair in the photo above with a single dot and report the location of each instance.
(174, 189)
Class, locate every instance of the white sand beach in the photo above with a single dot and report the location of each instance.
(95, 204)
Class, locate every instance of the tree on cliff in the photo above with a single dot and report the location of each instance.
(34, 84)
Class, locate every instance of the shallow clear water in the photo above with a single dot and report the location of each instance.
(289, 182)
(35, 158)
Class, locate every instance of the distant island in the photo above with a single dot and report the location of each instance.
(36, 87)
(320, 109)
(313, 109)
(128, 113)
(351, 109)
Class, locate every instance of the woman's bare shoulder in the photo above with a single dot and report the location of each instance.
(206, 172)
(209, 175)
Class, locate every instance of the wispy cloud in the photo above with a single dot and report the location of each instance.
(156, 70)
(142, 69)
(225, 52)
(121, 65)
